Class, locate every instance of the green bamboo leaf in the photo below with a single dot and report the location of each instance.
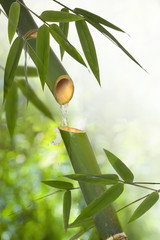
(101, 202)
(95, 18)
(61, 39)
(145, 206)
(103, 178)
(13, 19)
(120, 167)
(88, 222)
(31, 71)
(59, 16)
(113, 39)
(29, 93)
(66, 208)
(88, 47)
(64, 26)
(59, 184)
(42, 50)
(80, 233)
(12, 63)
(94, 235)
(11, 105)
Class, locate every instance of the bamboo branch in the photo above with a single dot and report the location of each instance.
(58, 80)
(83, 161)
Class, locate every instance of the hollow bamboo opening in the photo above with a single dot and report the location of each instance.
(68, 129)
(63, 90)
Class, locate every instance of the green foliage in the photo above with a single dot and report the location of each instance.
(66, 208)
(12, 63)
(11, 109)
(31, 71)
(88, 47)
(60, 37)
(59, 16)
(59, 184)
(13, 19)
(30, 94)
(106, 179)
(120, 167)
(96, 18)
(64, 26)
(101, 202)
(147, 203)
(42, 51)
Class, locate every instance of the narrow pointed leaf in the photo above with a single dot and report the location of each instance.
(31, 71)
(120, 167)
(145, 206)
(59, 16)
(101, 202)
(80, 233)
(11, 105)
(102, 179)
(64, 26)
(66, 208)
(59, 184)
(12, 63)
(88, 222)
(60, 37)
(114, 40)
(97, 19)
(88, 47)
(33, 98)
(13, 20)
(42, 50)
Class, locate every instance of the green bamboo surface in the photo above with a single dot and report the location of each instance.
(56, 71)
(83, 161)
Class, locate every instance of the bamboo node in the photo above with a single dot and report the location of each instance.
(118, 236)
(31, 34)
(68, 129)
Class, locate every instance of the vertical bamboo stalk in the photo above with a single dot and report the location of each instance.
(83, 161)
(58, 80)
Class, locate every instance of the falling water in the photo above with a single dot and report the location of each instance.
(64, 115)
(64, 123)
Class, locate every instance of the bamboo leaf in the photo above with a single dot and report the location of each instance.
(64, 26)
(31, 71)
(95, 18)
(80, 233)
(11, 105)
(94, 235)
(33, 98)
(13, 19)
(88, 47)
(12, 63)
(66, 208)
(42, 50)
(88, 222)
(113, 39)
(102, 179)
(120, 167)
(59, 16)
(61, 39)
(59, 184)
(145, 206)
(101, 202)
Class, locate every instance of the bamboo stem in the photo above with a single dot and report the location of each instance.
(58, 80)
(83, 161)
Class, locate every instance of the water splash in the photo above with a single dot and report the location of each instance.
(64, 115)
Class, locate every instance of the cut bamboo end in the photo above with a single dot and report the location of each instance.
(118, 236)
(63, 89)
(31, 34)
(68, 129)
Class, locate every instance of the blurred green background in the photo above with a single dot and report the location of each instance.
(122, 116)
